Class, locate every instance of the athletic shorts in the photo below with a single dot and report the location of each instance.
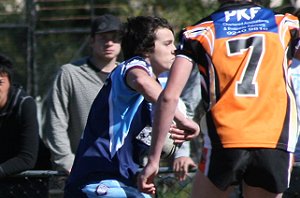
(265, 168)
(111, 188)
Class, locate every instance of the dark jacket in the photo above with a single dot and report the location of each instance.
(19, 133)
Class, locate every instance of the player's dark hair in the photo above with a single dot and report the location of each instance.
(139, 35)
(6, 67)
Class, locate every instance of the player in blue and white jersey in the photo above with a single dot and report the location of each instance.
(107, 159)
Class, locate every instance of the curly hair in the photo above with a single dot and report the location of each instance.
(139, 35)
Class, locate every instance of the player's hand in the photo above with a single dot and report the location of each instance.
(184, 131)
(176, 134)
(181, 166)
(145, 180)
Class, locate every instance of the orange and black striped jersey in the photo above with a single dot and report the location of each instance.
(243, 52)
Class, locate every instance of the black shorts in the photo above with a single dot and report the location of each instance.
(257, 167)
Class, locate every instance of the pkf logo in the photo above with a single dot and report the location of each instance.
(243, 13)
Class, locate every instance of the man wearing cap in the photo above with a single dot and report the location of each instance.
(74, 89)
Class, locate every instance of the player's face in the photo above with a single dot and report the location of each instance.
(4, 89)
(164, 51)
(106, 45)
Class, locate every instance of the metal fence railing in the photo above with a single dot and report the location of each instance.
(39, 184)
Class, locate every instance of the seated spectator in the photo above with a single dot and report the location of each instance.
(19, 129)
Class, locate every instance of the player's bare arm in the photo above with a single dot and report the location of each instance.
(139, 80)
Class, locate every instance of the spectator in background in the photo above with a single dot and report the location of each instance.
(19, 139)
(74, 89)
(76, 85)
(243, 52)
(108, 156)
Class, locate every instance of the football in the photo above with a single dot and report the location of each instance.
(169, 147)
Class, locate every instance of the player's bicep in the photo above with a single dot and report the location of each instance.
(139, 80)
(136, 78)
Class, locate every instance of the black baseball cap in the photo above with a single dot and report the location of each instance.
(105, 23)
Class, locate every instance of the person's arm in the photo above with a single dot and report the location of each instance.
(139, 80)
(166, 107)
(164, 114)
(191, 96)
(56, 123)
(27, 142)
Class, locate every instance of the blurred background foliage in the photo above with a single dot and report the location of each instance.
(41, 35)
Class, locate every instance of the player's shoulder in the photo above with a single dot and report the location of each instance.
(289, 19)
(137, 62)
(201, 27)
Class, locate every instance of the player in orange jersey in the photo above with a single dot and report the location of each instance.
(243, 52)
